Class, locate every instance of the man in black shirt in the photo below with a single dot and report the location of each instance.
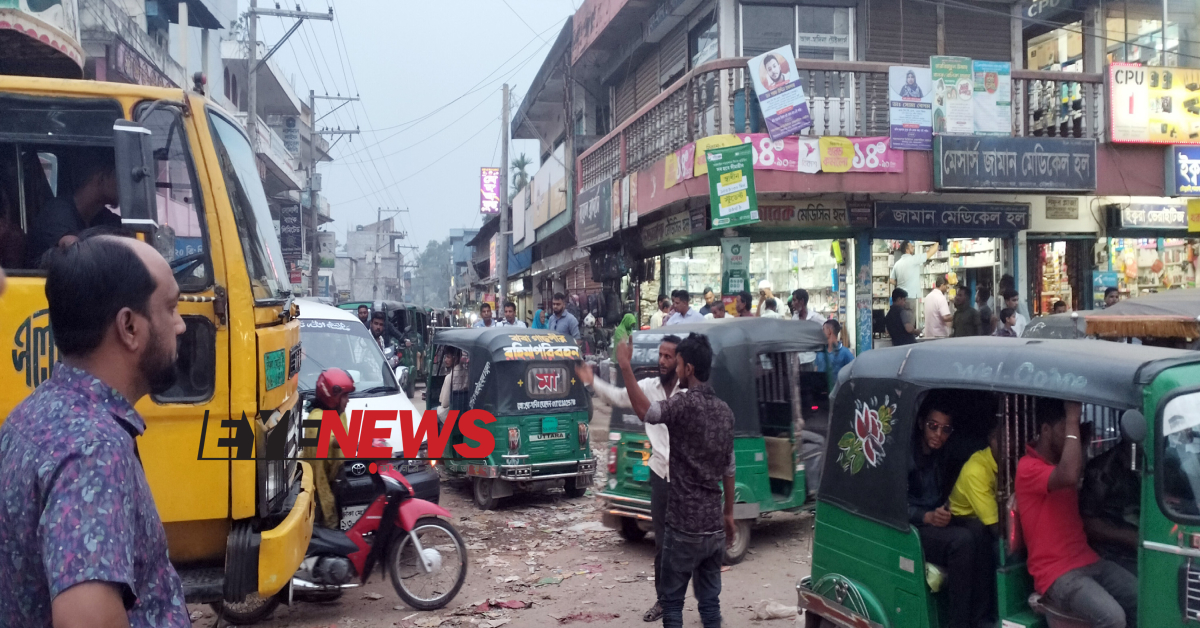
(63, 217)
(701, 462)
(899, 320)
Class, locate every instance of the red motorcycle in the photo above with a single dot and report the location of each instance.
(382, 523)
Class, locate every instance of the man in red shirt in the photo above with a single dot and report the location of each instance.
(1064, 568)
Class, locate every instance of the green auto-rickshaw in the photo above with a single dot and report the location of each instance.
(868, 567)
(764, 369)
(526, 379)
(410, 323)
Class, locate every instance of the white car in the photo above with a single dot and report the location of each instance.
(332, 337)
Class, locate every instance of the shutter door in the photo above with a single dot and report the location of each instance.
(980, 34)
(916, 39)
(672, 54)
(625, 105)
(647, 80)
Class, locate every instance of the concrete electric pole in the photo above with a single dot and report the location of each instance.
(314, 254)
(502, 246)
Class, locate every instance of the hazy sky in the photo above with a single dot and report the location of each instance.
(429, 75)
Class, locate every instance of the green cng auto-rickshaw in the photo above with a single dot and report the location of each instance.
(868, 568)
(764, 369)
(411, 324)
(526, 379)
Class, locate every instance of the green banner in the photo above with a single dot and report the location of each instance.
(735, 265)
(731, 186)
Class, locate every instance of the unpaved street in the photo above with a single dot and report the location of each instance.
(544, 560)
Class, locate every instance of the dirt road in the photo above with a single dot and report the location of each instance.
(549, 559)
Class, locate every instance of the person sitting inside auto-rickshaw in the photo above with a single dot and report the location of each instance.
(455, 388)
(974, 492)
(332, 392)
(1111, 505)
(960, 545)
(1064, 567)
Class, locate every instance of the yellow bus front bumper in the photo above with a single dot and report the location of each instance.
(282, 548)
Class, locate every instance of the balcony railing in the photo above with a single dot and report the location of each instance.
(845, 98)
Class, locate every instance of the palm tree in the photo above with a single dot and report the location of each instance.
(520, 178)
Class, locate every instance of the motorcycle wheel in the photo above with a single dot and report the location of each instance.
(249, 611)
(427, 591)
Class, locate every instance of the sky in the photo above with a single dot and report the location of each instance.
(429, 76)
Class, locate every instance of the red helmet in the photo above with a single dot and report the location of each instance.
(331, 385)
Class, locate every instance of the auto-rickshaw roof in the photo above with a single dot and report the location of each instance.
(511, 343)
(1098, 372)
(1171, 314)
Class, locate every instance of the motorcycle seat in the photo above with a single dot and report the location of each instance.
(326, 541)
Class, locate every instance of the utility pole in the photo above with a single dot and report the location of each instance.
(375, 255)
(502, 254)
(313, 188)
(252, 71)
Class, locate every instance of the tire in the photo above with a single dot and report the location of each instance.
(630, 530)
(741, 543)
(574, 491)
(482, 491)
(251, 611)
(396, 556)
(411, 389)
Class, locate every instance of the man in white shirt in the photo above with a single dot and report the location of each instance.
(510, 316)
(1012, 299)
(656, 389)
(937, 310)
(664, 310)
(770, 309)
(718, 313)
(906, 273)
(799, 306)
(485, 316)
(681, 302)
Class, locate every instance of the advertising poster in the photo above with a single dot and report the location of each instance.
(1193, 215)
(731, 186)
(910, 109)
(953, 88)
(837, 154)
(679, 166)
(489, 190)
(327, 242)
(790, 154)
(1183, 171)
(593, 222)
(780, 94)
(993, 97)
(705, 144)
(291, 233)
(735, 265)
(872, 154)
(1153, 105)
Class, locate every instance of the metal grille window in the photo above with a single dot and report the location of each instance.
(547, 382)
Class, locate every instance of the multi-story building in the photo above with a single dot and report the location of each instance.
(373, 268)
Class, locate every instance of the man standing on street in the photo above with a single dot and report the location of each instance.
(966, 318)
(510, 316)
(656, 389)
(708, 301)
(681, 303)
(900, 322)
(799, 305)
(561, 320)
(937, 310)
(771, 309)
(82, 544)
(906, 273)
(742, 304)
(664, 310)
(485, 316)
(1012, 299)
(701, 437)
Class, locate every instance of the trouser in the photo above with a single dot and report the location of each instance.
(965, 549)
(694, 557)
(1102, 593)
(658, 512)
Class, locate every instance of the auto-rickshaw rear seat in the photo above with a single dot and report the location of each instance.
(780, 458)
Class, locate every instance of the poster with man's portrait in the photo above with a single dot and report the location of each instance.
(780, 93)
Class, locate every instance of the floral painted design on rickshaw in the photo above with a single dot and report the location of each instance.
(864, 445)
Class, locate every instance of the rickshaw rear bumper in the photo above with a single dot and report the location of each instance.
(536, 471)
(617, 507)
(812, 602)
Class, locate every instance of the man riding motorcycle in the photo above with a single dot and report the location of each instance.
(332, 393)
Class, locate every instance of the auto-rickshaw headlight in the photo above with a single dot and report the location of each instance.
(514, 440)
(583, 435)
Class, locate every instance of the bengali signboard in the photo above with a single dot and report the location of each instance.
(1062, 207)
(1183, 171)
(780, 93)
(593, 220)
(910, 110)
(291, 233)
(1013, 163)
(817, 214)
(489, 190)
(1153, 216)
(953, 88)
(731, 186)
(975, 217)
(676, 227)
(1153, 105)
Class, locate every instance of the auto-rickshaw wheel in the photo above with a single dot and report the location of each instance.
(482, 490)
(574, 491)
(630, 530)
(736, 551)
(249, 611)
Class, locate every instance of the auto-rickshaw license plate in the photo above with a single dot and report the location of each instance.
(552, 436)
(641, 473)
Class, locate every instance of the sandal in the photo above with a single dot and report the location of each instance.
(654, 614)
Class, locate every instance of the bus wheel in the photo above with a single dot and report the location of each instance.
(736, 551)
(630, 530)
(483, 493)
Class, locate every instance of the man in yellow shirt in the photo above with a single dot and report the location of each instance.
(974, 493)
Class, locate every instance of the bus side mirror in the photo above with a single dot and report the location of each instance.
(1133, 426)
(135, 177)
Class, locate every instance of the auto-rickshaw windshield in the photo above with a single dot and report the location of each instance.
(1180, 459)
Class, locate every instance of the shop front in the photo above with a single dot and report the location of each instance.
(1058, 251)
(1147, 249)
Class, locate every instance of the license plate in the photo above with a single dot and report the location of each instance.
(641, 473)
(351, 515)
(553, 436)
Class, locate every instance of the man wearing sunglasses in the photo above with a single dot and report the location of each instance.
(958, 545)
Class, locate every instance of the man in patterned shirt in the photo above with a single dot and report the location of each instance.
(81, 543)
(700, 428)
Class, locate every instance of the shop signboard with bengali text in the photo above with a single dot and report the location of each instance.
(674, 228)
(780, 92)
(1153, 216)
(1154, 105)
(593, 218)
(976, 162)
(951, 217)
(489, 190)
(831, 214)
(1183, 171)
(291, 233)
(732, 195)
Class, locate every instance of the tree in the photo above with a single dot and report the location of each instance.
(431, 281)
(520, 178)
